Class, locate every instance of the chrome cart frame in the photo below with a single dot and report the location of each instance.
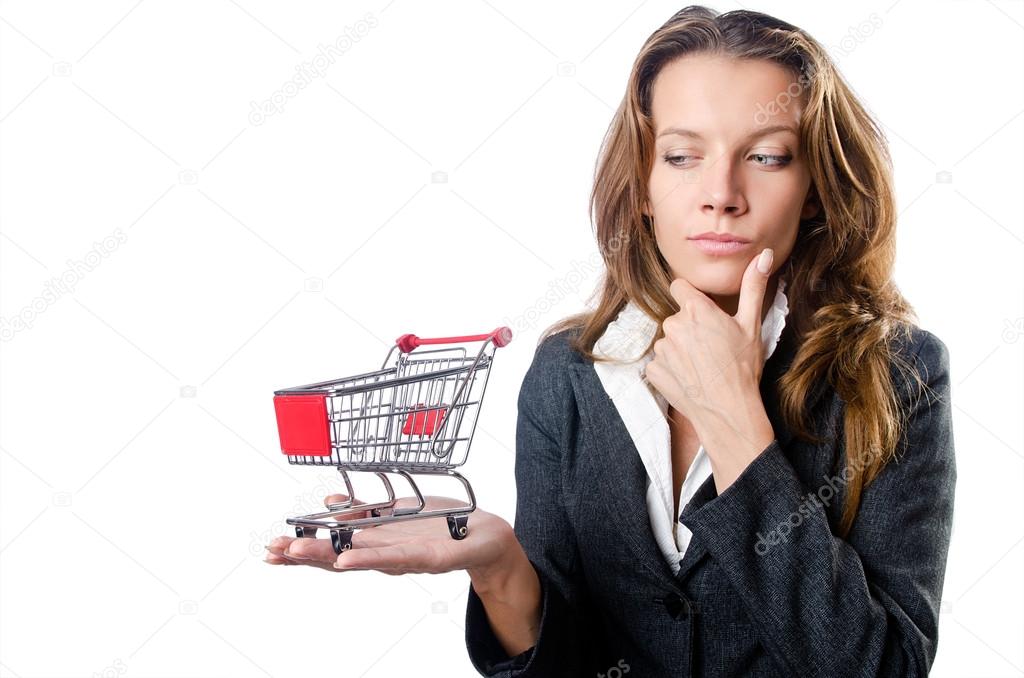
(414, 416)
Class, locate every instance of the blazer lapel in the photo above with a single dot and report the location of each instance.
(696, 550)
(620, 474)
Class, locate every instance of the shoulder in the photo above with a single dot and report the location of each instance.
(557, 351)
(932, 356)
(920, 357)
(922, 347)
(924, 351)
(546, 395)
(553, 357)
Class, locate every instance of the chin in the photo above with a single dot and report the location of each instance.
(724, 280)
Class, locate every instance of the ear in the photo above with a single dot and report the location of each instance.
(812, 205)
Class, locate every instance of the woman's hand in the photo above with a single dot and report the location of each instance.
(422, 545)
(708, 367)
(500, 572)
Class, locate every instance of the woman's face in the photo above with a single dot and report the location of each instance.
(720, 166)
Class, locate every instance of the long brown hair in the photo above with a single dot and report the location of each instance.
(845, 309)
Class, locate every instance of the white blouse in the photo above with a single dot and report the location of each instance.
(645, 413)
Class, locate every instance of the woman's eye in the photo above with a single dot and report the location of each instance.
(676, 160)
(763, 159)
(772, 160)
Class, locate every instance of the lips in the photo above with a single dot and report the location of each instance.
(719, 247)
(720, 237)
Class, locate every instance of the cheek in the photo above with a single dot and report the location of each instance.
(781, 233)
(670, 239)
(659, 187)
(667, 189)
(779, 207)
(784, 193)
(783, 243)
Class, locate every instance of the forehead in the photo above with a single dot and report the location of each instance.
(723, 95)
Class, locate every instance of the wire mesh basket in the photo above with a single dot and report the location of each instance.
(416, 415)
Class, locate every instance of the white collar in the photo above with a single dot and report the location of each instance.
(632, 330)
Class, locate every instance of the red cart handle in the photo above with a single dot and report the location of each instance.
(500, 336)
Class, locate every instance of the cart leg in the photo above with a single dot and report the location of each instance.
(301, 531)
(348, 488)
(457, 526)
(341, 540)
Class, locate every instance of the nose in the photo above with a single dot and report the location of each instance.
(720, 189)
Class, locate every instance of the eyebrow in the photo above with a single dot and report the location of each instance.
(764, 131)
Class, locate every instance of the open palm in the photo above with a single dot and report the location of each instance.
(403, 547)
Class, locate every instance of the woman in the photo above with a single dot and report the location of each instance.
(740, 462)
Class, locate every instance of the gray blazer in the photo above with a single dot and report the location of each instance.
(765, 587)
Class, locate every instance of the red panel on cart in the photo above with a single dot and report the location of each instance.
(302, 425)
(423, 423)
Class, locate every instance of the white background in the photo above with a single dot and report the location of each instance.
(140, 469)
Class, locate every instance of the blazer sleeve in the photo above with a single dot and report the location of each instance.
(544, 407)
(864, 606)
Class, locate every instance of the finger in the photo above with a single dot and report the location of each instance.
(317, 553)
(653, 376)
(682, 291)
(410, 557)
(301, 550)
(669, 360)
(752, 290)
(280, 560)
(279, 544)
(306, 549)
(276, 555)
(337, 499)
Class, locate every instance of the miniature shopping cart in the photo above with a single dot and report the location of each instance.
(414, 416)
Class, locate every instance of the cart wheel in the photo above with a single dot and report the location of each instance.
(341, 540)
(457, 526)
(301, 531)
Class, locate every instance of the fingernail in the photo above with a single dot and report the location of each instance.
(295, 556)
(764, 262)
